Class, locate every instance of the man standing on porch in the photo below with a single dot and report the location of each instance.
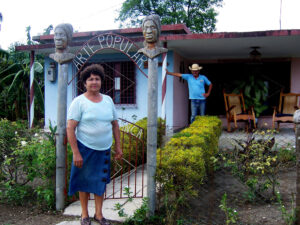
(197, 94)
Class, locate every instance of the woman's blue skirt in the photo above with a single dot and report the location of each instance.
(93, 176)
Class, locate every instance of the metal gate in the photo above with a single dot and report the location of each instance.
(127, 175)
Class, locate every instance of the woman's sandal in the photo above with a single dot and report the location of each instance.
(102, 221)
(85, 221)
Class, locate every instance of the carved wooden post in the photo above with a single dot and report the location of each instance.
(62, 37)
(151, 30)
(297, 123)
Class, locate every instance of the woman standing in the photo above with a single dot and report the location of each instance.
(92, 121)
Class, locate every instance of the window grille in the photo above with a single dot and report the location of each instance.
(119, 82)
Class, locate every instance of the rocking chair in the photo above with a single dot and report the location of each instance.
(236, 110)
(288, 104)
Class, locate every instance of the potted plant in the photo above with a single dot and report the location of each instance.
(255, 93)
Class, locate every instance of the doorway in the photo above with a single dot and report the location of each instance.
(275, 74)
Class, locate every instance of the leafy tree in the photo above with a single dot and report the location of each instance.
(28, 35)
(3, 57)
(48, 30)
(14, 83)
(198, 15)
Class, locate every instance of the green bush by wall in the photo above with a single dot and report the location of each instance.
(184, 162)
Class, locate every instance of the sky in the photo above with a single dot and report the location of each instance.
(92, 15)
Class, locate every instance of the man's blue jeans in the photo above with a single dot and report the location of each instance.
(197, 108)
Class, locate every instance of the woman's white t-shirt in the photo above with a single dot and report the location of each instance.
(94, 129)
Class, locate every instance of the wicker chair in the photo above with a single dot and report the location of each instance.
(236, 110)
(288, 104)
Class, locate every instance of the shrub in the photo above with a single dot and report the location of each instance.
(8, 132)
(28, 165)
(185, 161)
(256, 163)
(287, 154)
(16, 194)
(204, 133)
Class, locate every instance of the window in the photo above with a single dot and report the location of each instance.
(119, 82)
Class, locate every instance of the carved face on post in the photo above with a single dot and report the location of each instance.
(60, 39)
(62, 36)
(150, 31)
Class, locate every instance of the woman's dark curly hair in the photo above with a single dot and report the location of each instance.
(94, 69)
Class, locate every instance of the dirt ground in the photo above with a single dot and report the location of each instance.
(204, 210)
(27, 215)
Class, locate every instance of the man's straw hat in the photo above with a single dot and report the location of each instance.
(195, 67)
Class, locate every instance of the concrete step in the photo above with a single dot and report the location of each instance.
(108, 210)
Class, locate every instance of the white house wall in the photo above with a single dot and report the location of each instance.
(51, 95)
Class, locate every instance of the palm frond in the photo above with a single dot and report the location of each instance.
(15, 80)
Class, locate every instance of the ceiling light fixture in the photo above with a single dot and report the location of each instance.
(255, 55)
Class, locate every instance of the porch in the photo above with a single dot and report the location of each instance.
(284, 138)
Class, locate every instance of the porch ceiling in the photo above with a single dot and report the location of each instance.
(236, 48)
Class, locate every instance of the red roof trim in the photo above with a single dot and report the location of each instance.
(274, 33)
(34, 47)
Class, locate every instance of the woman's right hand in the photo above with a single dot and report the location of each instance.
(77, 160)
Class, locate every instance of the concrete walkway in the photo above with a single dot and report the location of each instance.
(285, 138)
(109, 213)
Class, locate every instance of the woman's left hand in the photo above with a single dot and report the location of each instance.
(119, 154)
